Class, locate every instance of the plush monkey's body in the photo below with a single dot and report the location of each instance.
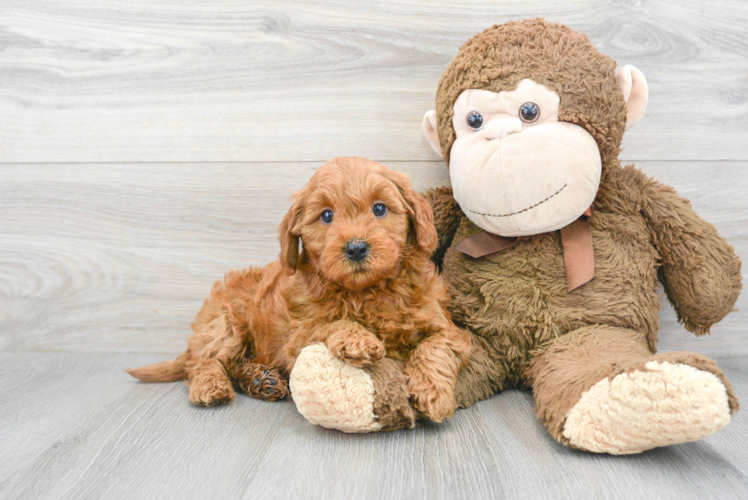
(530, 332)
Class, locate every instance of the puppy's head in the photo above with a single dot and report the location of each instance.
(358, 222)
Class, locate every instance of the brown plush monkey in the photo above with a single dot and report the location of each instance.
(553, 251)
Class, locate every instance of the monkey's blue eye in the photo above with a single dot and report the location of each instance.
(379, 209)
(475, 120)
(529, 112)
(326, 216)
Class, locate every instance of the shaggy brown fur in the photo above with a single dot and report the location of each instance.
(526, 330)
(391, 304)
(393, 409)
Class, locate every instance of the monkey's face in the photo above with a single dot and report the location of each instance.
(516, 169)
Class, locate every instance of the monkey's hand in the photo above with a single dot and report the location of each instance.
(700, 271)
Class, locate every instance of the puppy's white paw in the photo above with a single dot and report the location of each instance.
(331, 393)
(668, 403)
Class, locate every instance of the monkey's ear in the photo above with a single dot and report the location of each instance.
(635, 93)
(289, 234)
(430, 129)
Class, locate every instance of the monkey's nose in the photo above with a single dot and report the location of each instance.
(500, 128)
(356, 250)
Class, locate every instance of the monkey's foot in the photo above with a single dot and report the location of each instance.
(331, 393)
(262, 382)
(660, 404)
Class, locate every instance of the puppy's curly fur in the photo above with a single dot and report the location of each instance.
(391, 303)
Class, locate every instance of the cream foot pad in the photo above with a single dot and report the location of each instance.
(331, 393)
(670, 403)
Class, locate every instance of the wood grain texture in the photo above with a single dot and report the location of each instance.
(275, 80)
(74, 426)
(119, 257)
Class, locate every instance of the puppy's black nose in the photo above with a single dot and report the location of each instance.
(356, 250)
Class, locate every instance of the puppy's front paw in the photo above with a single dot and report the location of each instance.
(429, 396)
(357, 347)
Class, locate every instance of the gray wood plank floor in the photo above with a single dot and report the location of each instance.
(148, 146)
(75, 426)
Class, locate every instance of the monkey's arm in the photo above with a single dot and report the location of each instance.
(447, 217)
(700, 270)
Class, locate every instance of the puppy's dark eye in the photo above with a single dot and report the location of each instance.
(379, 209)
(475, 120)
(326, 216)
(529, 112)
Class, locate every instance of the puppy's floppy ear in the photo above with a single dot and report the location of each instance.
(289, 233)
(422, 230)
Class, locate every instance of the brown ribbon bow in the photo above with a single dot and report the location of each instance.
(576, 238)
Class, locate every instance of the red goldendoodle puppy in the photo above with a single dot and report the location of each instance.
(361, 281)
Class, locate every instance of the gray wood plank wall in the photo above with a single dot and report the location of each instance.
(149, 146)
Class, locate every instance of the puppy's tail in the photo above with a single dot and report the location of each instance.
(166, 371)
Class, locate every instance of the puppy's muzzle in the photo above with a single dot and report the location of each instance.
(356, 250)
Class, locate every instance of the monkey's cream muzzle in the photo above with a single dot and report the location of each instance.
(502, 127)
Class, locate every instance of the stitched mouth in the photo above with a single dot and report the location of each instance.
(521, 211)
